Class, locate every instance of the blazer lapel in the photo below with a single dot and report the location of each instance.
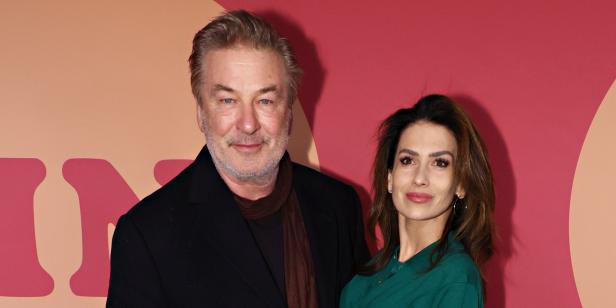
(322, 236)
(219, 225)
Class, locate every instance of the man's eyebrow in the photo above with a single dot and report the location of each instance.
(218, 87)
(272, 88)
(435, 154)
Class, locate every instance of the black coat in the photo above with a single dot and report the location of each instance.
(187, 245)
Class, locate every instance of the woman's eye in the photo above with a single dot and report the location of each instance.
(227, 101)
(265, 101)
(406, 160)
(443, 163)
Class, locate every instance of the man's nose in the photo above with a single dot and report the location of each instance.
(247, 121)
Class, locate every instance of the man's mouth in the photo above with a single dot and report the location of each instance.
(247, 147)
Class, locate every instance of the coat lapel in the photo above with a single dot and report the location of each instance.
(219, 226)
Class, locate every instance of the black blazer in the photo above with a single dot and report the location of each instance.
(187, 245)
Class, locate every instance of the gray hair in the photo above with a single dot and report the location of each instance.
(239, 28)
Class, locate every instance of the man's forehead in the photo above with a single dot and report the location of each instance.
(242, 67)
(243, 55)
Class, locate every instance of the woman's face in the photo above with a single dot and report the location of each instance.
(422, 180)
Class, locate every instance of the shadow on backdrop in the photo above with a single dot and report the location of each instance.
(505, 186)
(314, 73)
(310, 90)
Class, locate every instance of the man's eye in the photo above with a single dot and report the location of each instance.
(442, 163)
(265, 101)
(227, 101)
(406, 160)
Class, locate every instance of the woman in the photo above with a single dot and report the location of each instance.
(433, 201)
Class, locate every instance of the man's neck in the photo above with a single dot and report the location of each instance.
(251, 189)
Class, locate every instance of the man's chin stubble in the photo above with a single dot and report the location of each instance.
(262, 176)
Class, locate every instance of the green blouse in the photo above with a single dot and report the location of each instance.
(454, 282)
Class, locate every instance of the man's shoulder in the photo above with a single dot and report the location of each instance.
(165, 199)
(326, 192)
(315, 180)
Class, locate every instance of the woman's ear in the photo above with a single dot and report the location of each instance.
(460, 192)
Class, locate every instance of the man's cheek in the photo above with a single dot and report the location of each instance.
(221, 125)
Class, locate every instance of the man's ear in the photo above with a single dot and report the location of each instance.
(200, 118)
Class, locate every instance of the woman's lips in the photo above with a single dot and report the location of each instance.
(419, 197)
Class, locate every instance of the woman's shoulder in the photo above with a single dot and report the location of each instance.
(458, 267)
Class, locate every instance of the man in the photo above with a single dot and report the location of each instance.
(242, 226)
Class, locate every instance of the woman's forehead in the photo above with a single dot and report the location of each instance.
(426, 137)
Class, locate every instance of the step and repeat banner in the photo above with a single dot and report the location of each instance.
(96, 113)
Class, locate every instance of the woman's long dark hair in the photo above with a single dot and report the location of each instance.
(471, 222)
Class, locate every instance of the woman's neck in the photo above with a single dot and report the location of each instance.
(415, 235)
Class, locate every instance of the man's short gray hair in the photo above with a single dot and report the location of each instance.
(241, 28)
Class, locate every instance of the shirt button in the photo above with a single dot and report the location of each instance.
(380, 281)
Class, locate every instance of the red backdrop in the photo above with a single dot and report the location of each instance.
(531, 74)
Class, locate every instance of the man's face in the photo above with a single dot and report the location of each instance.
(244, 112)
